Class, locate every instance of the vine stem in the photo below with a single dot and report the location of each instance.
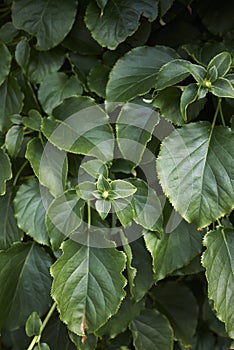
(36, 339)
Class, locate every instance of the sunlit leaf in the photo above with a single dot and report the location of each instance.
(88, 280)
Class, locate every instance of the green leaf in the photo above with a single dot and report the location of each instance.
(5, 173)
(131, 271)
(164, 6)
(124, 210)
(216, 18)
(172, 73)
(209, 316)
(212, 74)
(30, 211)
(85, 129)
(102, 3)
(230, 77)
(198, 72)
(63, 217)
(151, 330)
(27, 284)
(14, 139)
(43, 63)
(124, 166)
(134, 128)
(179, 305)
(83, 65)
(87, 190)
(176, 71)
(80, 41)
(222, 62)
(9, 231)
(188, 96)
(33, 325)
(90, 281)
(147, 206)
(89, 344)
(203, 52)
(43, 346)
(103, 207)
(103, 185)
(222, 88)
(43, 20)
(203, 340)
(195, 168)
(135, 73)
(8, 32)
(179, 244)
(36, 65)
(33, 121)
(55, 88)
(121, 189)
(118, 323)
(56, 334)
(22, 54)
(11, 101)
(168, 101)
(119, 20)
(5, 62)
(193, 267)
(49, 165)
(98, 78)
(142, 34)
(218, 262)
(142, 262)
(95, 167)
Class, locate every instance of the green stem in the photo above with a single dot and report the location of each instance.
(36, 339)
(19, 172)
(216, 113)
(221, 114)
(89, 214)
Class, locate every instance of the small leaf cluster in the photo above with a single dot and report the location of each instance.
(116, 175)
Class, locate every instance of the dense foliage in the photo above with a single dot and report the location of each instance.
(116, 174)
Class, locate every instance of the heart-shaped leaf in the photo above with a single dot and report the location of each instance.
(120, 20)
(90, 281)
(195, 168)
(135, 73)
(43, 19)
